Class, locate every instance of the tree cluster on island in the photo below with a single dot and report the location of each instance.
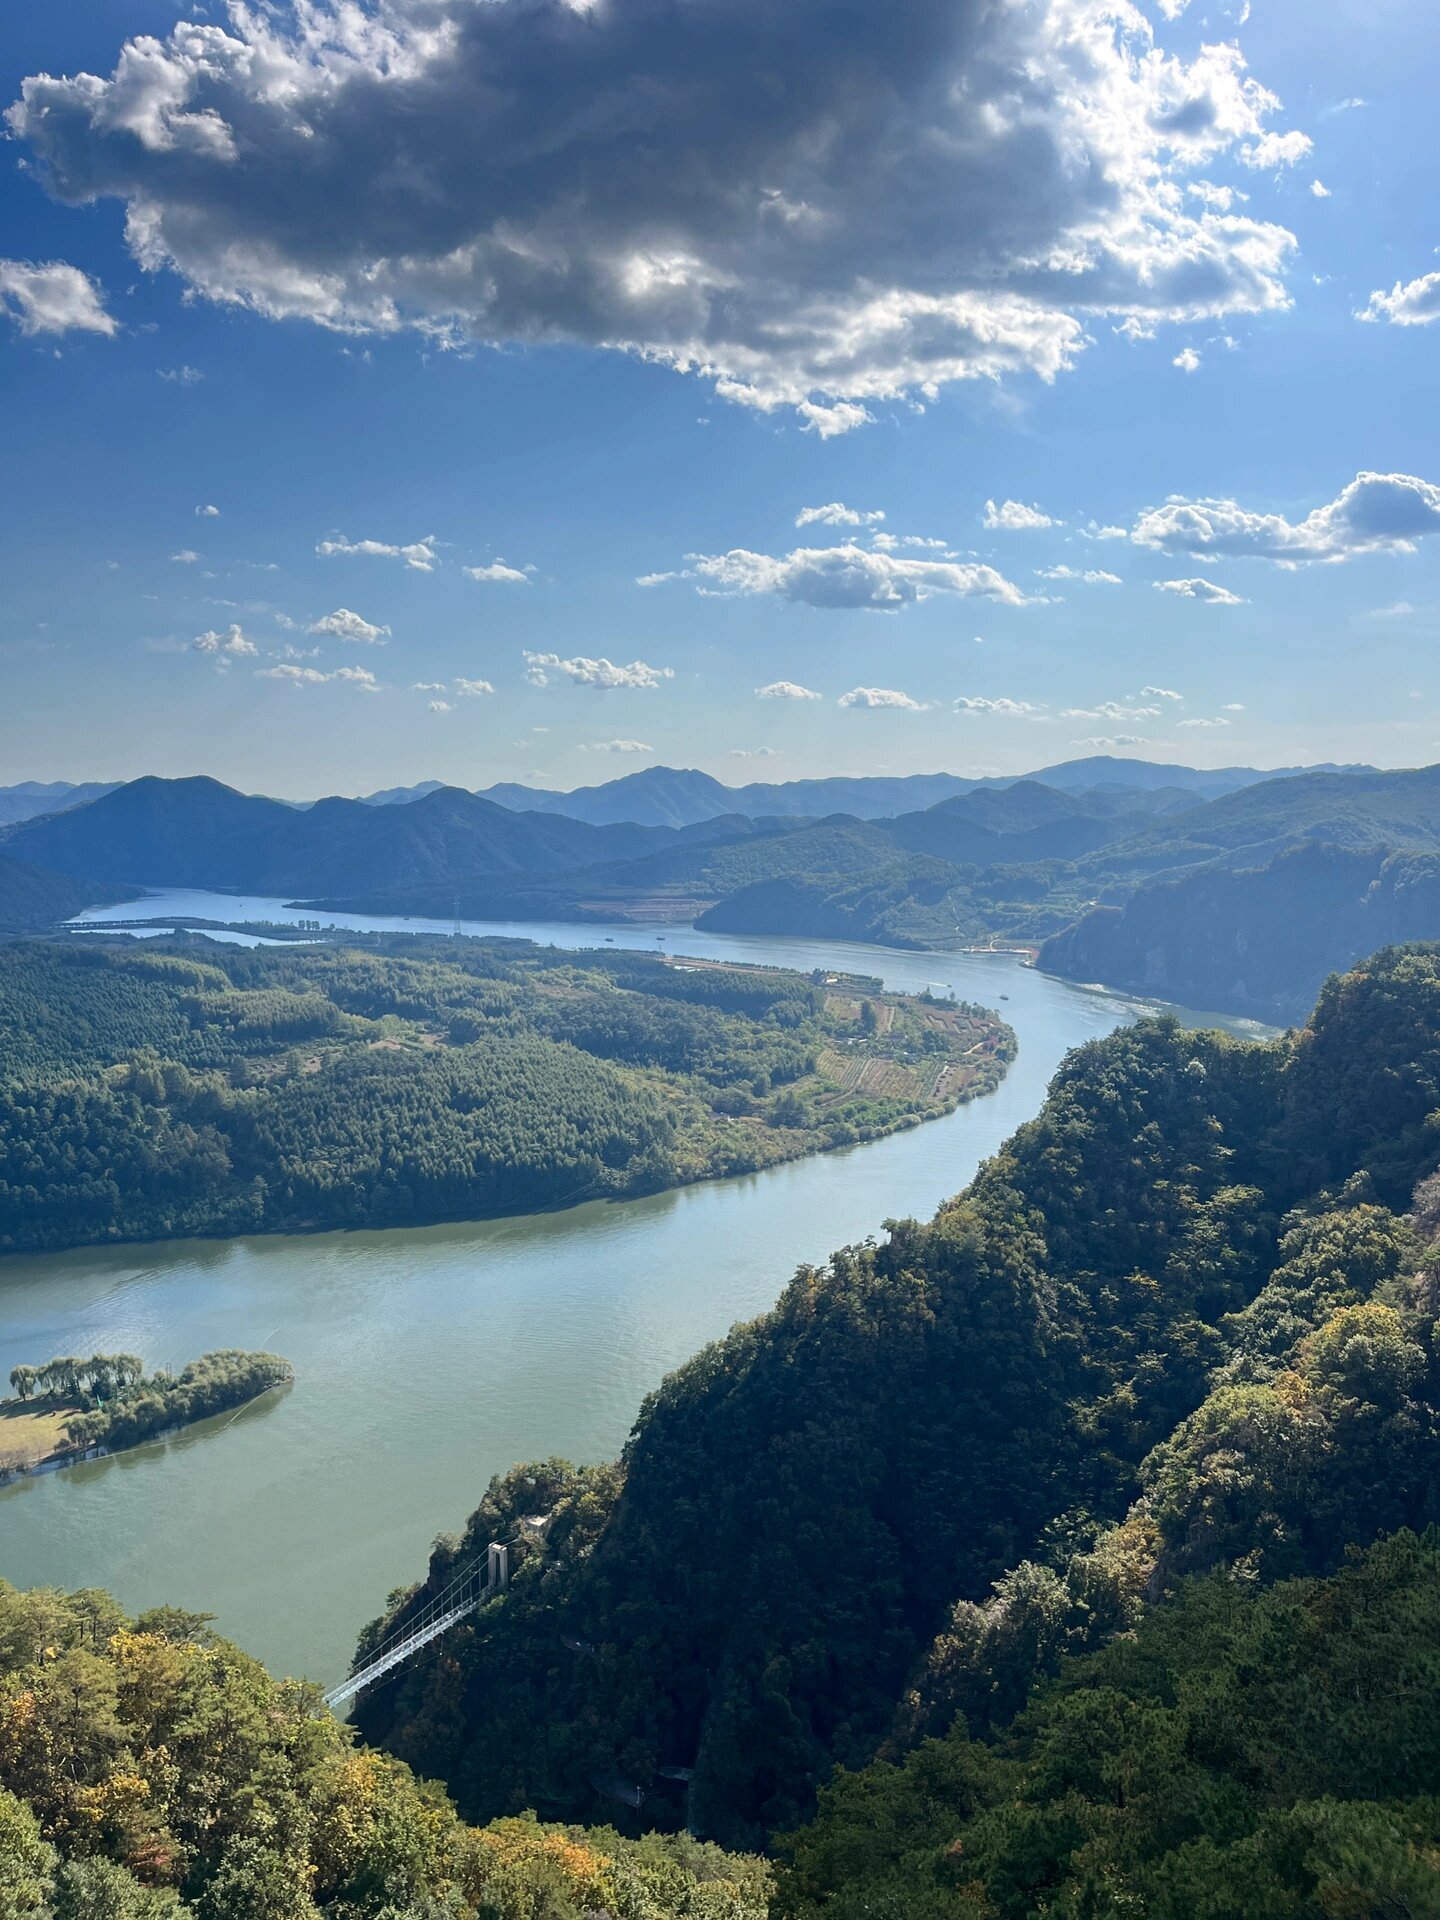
(109, 1401)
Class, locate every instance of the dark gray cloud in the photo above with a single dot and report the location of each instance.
(815, 202)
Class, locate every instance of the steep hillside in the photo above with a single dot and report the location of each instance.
(1257, 941)
(152, 1771)
(32, 897)
(1395, 809)
(1176, 1323)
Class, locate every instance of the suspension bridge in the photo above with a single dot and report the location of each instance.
(466, 1593)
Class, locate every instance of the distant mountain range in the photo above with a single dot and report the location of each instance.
(682, 797)
(685, 797)
(34, 797)
(1124, 872)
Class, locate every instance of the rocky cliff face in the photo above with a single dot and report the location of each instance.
(1257, 942)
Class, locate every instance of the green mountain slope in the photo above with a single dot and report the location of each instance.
(32, 897)
(1246, 1756)
(1176, 1323)
(1258, 940)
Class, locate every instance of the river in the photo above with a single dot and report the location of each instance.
(428, 1359)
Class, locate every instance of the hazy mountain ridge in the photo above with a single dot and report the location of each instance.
(31, 798)
(197, 832)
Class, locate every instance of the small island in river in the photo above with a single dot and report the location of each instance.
(70, 1408)
(172, 1087)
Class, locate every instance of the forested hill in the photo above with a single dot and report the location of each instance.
(31, 897)
(1259, 940)
(191, 1087)
(1185, 1320)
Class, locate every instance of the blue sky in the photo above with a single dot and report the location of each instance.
(928, 263)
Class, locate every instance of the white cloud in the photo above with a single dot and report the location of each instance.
(187, 557)
(52, 297)
(785, 690)
(427, 686)
(1413, 303)
(441, 706)
(977, 703)
(1319, 189)
(1013, 516)
(232, 644)
(1096, 532)
(1188, 360)
(836, 514)
(208, 513)
(847, 577)
(1205, 590)
(1105, 742)
(473, 689)
(540, 667)
(1109, 710)
(342, 624)
(1376, 513)
(828, 421)
(1217, 198)
(1160, 693)
(542, 173)
(754, 753)
(617, 746)
(1234, 706)
(1397, 610)
(419, 554)
(498, 571)
(1276, 150)
(358, 677)
(880, 697)
(1202, 723)
(181, 376)
(1091, 576)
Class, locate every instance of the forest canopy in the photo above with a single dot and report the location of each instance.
(1183, 1325)
(192, 1087)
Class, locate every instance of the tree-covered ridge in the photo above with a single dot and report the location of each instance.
(32, 896)
(152, 1771)
(1248, 1754)
(1181, 1321)
(184, 1087)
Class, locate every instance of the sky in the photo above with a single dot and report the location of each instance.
(539, 390)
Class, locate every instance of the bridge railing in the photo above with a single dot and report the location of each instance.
(464, 1594)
